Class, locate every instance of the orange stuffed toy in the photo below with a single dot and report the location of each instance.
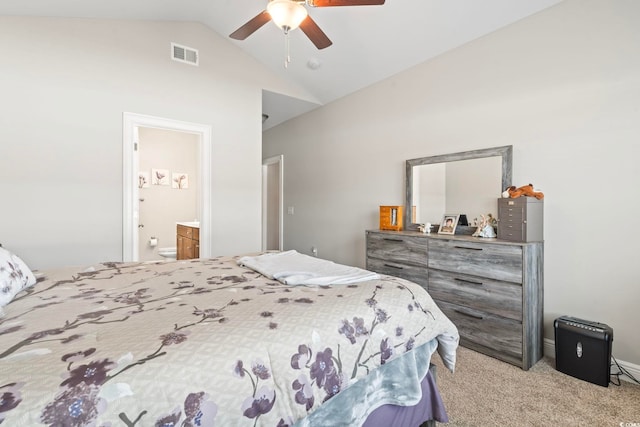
(525, 190)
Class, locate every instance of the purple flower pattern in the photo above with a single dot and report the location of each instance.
(173, 338)
(79, 401)
(300, 359)
(409, 344)
(238, 369)
(261, 400)
(10, 398)
(74, 407)
(304, 392)
(260, 370)
(326, 371)
(354, 330)
(385, 351)
(170, 420)
(323, 367)
(93, 373)
(199, 410)
(260, 403)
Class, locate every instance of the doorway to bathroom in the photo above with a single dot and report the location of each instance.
(168, 189)
(167, 179)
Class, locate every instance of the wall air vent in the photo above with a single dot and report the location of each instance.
(184, 54)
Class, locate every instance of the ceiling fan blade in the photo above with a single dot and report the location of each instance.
(315, 34)
(330, 3)
(252, 26)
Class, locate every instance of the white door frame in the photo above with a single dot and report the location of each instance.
(279, 160)
(130, 199)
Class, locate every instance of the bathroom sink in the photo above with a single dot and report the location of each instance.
(195, 224)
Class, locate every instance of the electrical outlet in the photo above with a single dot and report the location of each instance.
(314, 251)
(290, 210)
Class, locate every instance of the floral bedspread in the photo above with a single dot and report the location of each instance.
(198, 343)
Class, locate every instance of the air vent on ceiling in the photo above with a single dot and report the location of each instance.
(184, 54)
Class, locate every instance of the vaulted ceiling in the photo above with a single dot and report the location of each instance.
(370, 43)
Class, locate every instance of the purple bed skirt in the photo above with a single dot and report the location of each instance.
(429, 408)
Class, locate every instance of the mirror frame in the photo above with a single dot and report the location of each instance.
(506, 152)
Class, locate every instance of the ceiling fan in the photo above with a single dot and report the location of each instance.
(291, 14)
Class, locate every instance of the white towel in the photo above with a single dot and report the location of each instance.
(293, 268)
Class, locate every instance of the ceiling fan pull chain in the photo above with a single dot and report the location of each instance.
(287, 45)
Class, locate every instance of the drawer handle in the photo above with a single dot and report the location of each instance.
(394, 266)
(467, 248)
(475, 316)
(470, 282)
(392, 240)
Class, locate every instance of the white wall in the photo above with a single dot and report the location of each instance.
(562, 87)
(64, 86)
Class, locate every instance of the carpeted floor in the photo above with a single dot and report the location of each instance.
(484, 391)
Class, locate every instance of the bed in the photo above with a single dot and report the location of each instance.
(213, 342)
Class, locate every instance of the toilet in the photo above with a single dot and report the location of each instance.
(168, 253)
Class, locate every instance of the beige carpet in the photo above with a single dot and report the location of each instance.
(484, 391)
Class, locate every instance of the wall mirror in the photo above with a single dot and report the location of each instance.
(466, 183)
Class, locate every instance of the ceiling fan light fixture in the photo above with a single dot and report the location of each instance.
(286, 14)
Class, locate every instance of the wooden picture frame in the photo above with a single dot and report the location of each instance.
(448, 224)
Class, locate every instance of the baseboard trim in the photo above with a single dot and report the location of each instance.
(549, 350)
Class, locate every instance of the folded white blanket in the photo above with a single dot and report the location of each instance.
(293, 268)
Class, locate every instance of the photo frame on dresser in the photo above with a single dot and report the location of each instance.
(448, 224)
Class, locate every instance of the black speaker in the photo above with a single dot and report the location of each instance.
(583, 349)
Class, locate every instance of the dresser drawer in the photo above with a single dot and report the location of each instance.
(502, 336)
(492, 296)
(511, 230)
(409, 272)
(511, 223)
(510, 213)
(397, 248)
(494, 261)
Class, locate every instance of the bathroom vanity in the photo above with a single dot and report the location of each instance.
(188, 240)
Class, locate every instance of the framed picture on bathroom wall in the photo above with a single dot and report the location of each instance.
(448, 224)
(179, 180)
(144, 180)
(160, 177)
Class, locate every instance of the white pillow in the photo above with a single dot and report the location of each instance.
(15, 276)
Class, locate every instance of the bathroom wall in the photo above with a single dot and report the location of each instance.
(164, 205)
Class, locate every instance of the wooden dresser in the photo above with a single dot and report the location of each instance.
(398, 254)
(188, 242)
(491, 289)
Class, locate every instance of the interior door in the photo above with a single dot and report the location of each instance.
(136, 194)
